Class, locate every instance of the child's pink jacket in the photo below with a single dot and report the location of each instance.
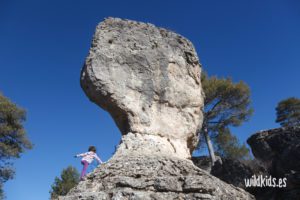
(89, 157)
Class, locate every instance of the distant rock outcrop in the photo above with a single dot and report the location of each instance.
(277, 153)
(148, 79)
(279, 150)
(280, 146)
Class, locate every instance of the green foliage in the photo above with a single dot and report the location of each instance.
(288, 112)
(228, 146)
(226, 104)
(69, 178)
(13, 140)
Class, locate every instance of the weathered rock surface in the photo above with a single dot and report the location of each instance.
(153, 178)
(148, 79)
(279, 150)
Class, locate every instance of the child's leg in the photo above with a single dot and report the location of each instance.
(85, 166)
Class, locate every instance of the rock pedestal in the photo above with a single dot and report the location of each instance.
(148, 79)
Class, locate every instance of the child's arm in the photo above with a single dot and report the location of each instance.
(98, 159)
(81, 154)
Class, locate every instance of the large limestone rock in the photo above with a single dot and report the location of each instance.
(148, 79)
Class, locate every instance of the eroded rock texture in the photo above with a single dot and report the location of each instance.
(153, 178)
(148, 79)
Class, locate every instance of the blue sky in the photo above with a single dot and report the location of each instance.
(43, 45)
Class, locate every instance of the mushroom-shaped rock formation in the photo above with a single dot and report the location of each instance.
(148, 79)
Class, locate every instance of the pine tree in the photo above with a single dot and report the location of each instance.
(226, 104)
(13, 139)
(69, 178)
(288, 112)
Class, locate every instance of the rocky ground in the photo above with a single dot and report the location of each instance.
(155, 178)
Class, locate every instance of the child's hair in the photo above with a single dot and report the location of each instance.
(92, 148)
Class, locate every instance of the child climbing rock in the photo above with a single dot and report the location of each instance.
(87, 158)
